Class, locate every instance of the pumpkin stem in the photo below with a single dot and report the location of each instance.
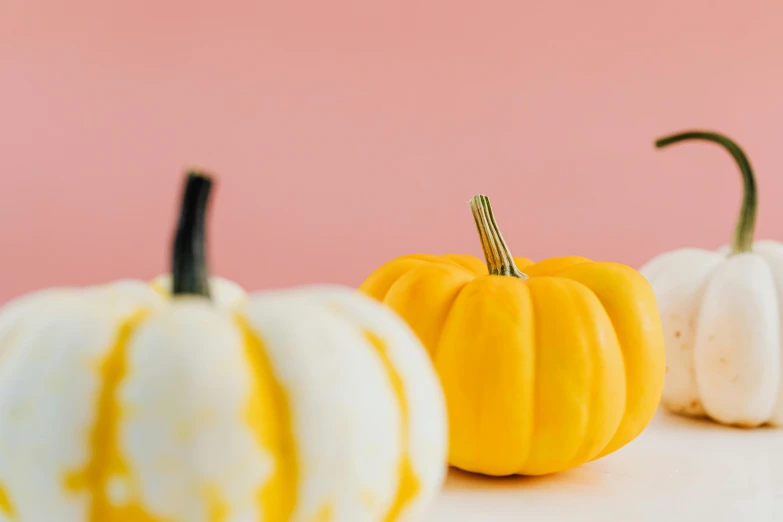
(189, 272)
(746, 223)
(499, 258)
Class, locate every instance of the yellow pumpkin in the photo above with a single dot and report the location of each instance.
(545, 366)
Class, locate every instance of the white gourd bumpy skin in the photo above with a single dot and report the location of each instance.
(722, 314)
(122, 403)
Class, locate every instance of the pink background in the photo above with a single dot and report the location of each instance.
(347, 133)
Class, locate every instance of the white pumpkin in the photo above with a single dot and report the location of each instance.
(223, 293)
(722, 313)
(118, 403)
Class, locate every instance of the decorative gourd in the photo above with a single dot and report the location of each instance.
(721, 313)
(545, 366)
(118, 404)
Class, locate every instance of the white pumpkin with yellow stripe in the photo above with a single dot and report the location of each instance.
(120, 404)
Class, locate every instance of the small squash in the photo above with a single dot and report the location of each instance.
(722, 312)
(120, 404)
(545, 366)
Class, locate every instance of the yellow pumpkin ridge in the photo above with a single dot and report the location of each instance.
(408, 485)
(325, 514)
(217, 510)
(269, 416)
(106, 463)
(626, 296)
(160, 289)
(6, 508)
(9, 341)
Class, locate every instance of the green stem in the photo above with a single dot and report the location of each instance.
(189, 272)
(746, 223)
(499, 258)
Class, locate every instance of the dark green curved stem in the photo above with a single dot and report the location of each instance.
(189, 272)
(746, 223)
(499, 258)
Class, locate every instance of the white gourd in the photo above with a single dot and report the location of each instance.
(722, 313)
(120, 403)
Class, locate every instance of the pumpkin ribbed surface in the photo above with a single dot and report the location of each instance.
(540, 373)
(120, 405)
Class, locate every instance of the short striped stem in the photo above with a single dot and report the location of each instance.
(496, 252)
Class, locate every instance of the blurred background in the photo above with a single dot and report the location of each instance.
(346, 133)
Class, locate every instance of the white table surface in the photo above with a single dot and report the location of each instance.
(678, 469)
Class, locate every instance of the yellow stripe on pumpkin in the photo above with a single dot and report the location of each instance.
(6, 508)
(325, 514)
(160, 289)
(106, 465)
(408, 486)
(217, 510)
(269, 416)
